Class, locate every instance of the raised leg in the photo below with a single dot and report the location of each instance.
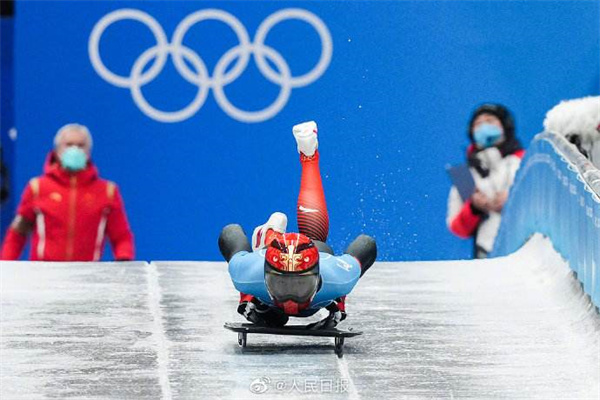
(313, 219)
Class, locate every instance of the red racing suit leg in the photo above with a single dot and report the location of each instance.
(313, 219)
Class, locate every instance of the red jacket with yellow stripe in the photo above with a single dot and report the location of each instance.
(71, 215)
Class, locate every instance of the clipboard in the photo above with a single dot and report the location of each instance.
(461, 178)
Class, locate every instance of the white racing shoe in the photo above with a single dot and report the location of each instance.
(277, 223)
(306, 137)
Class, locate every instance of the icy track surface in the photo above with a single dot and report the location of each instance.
(516, 327)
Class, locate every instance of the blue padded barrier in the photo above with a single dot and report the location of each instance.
(556, 193)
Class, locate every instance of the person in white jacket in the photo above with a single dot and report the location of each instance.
(493, 157)
(579, 121)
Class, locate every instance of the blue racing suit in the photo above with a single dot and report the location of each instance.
(339, 275)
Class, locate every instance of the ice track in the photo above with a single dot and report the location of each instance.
(518, 327)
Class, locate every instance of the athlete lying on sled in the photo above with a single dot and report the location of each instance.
(295, 274)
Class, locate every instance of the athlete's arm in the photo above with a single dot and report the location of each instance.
(233, 240)
(335, 317)
(364, 249)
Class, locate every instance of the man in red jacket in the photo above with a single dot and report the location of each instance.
(69, 209)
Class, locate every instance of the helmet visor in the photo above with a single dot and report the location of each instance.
(296, 287)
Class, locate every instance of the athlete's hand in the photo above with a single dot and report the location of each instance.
(335, 317)
(261, 314)
(480, 201)
(252, 313)
(498, 202)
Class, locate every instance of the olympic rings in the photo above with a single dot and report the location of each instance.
(200, 76)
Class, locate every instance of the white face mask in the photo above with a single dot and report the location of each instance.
(73, 159)
(486, 135)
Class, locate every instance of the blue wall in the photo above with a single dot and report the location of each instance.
(391, 106)
(7, 119)
(556, 193)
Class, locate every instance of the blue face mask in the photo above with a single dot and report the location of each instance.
(487, 135)
(73, 158)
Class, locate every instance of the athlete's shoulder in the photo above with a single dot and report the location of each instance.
(248, 256)
(343, 262)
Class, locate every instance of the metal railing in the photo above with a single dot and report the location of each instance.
(556, 193)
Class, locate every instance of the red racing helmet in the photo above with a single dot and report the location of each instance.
(292, 271)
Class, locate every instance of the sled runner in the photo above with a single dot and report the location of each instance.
(243, 329)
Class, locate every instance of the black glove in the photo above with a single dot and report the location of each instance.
(335, 317)
(261, 314)
(251, 313)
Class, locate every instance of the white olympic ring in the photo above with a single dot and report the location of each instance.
(221, 76)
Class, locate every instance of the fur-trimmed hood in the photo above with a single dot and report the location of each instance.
(575, 117)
